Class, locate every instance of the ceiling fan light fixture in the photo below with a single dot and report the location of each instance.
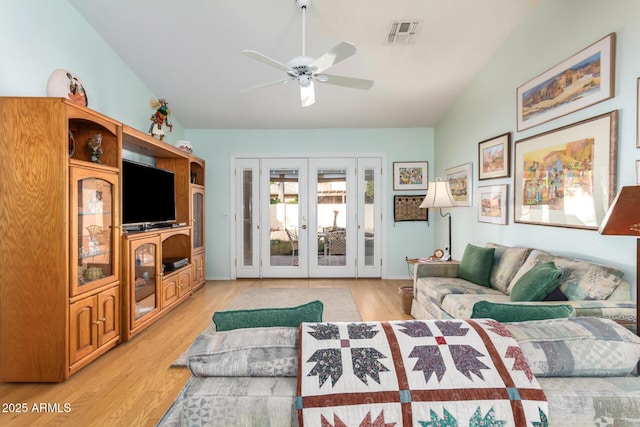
(304, 80)
(305, 69)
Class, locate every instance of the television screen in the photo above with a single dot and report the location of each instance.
(148, 194)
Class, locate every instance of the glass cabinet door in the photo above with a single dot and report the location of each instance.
(145, 280)
(93, 224)
(197, 196)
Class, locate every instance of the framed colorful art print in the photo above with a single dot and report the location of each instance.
(410, 175)
(567, 177)
(494, 157)
(584, 79)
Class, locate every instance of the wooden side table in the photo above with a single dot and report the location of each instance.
(425, 267)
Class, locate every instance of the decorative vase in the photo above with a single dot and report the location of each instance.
(184, 146)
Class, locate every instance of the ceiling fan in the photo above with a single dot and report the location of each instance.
(305, 70)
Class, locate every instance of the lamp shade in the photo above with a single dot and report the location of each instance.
(623, 216)
(438, 195)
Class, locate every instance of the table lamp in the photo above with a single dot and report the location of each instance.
(623, 219)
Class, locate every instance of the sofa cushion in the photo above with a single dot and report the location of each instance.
(257, 352)
(506, 263)
(583, 280)
(437, 288)
(519, 312)
(265, 317)
(536, 283)
(461, 306)
(556, 295)
(579, 346)
(580, 280)
(476, 264)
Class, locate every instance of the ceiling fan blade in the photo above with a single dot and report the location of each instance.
(265, 59)
(307, 95)
(339, 53)
(265, 85)
(352, 82)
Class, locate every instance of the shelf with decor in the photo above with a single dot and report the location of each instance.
(75, 282)
(63, 227)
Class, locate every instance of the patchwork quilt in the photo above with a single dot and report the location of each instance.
(423, 373)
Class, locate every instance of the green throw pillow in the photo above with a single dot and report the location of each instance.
(537, 283)
(267, 317)
(519, 312)
(476, 264)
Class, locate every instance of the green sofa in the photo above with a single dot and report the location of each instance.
(593, 290)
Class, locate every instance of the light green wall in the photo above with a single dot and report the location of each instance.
(412, 239)
(556, 30)
(39, 36)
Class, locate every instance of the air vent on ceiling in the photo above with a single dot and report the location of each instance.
(403, 32)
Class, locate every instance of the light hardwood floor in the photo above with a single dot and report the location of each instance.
(133, 384)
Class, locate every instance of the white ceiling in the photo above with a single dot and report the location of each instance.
(189, 53)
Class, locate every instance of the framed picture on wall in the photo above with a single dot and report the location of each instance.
(638, 115)
(567, 177)
(461, 184)
(584, 79)
(492, 204)
(407, 208)
(410, 175)
(494, 157)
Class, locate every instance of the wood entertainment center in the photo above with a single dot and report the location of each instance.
(73, 282)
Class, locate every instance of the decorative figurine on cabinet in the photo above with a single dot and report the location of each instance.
(160, 117)
(95, 143)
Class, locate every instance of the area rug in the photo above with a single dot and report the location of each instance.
(339, 305)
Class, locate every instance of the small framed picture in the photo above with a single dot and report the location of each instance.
(494, 157)
(410, 175)
(492, 204)
(461, 184)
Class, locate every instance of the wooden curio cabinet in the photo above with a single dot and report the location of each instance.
(60, 297)
(74, 283)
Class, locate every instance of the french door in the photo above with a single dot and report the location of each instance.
(308, 217)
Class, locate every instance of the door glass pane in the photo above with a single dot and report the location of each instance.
(198, 220)
(332, 216)
(369, 217)
(284, 192)
(247, 217)
(94, 230)
(145, 279)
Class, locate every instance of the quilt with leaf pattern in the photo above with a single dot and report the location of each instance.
(423, 373)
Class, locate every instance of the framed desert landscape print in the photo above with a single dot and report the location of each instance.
(494, 157)
(492, 204)
(567, 177)
(584, 79)
(461, 184)
(410, 175)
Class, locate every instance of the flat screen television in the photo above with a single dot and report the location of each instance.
(148, 195)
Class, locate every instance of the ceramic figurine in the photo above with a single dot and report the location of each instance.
(159, 118)
(95, 143)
